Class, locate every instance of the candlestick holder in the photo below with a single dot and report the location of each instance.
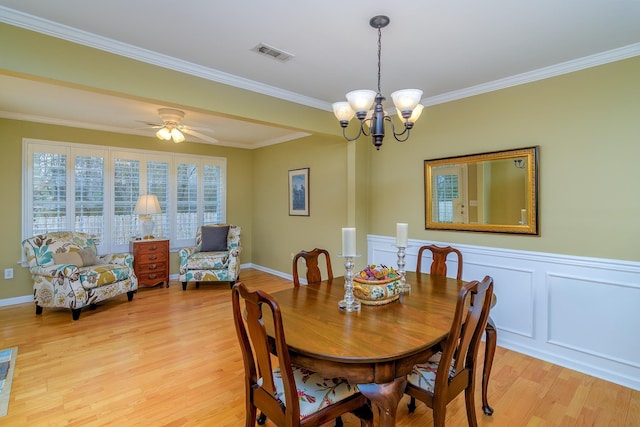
(349, 303)
(401, 264)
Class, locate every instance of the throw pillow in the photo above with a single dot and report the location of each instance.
(214, 238)
(81, 258)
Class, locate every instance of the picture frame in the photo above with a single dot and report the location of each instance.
(299, 192)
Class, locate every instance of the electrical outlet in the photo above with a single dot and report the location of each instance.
(8, 273)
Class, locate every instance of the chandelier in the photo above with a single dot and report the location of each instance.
(406, 101)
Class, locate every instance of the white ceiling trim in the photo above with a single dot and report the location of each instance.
(64, 32)
(540, 74)
(44, 26)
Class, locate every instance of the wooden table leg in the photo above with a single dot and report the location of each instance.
(386, 397)
(489, 352)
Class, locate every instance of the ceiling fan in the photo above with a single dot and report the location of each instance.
(171, 129)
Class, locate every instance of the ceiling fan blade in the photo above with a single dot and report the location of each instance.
(200, 135)
(153, 125)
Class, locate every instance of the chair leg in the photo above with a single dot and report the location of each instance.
(75, 313)
(184, 286)
(38, 309)
(130, 295)
(412, 404)
(489, 352)
(338, 422)
(470, 404)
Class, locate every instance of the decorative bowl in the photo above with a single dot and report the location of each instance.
(376, 292)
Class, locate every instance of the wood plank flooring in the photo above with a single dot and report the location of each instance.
(170, 358)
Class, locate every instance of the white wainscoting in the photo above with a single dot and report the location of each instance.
(577, 312)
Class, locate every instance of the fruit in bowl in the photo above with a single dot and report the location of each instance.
(377, 285)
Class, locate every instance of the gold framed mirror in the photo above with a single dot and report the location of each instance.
(493, 192)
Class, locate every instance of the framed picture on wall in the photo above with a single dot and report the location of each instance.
(299, 192)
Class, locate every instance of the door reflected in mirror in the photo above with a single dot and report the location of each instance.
(493, 192)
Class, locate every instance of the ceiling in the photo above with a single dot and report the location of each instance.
(448, 49)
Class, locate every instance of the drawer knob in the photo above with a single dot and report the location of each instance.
(153, 266)
(153, 257)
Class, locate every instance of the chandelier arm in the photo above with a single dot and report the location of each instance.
(360, 132)
(398, 135)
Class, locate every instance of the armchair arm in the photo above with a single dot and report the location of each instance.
(53, 271)
(185, 253)
(118, 258)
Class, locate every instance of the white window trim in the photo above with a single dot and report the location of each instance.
(71, 149)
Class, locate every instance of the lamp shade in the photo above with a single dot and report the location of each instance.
(147, 205)
(343, 111)
(164, 134)
(361, 100)
(415, 114)
(177, 135)
(406, 99)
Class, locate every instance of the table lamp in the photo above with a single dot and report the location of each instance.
(146, 206)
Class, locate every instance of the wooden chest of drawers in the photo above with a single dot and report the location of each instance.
(151, 261)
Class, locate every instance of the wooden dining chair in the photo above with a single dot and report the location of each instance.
(287, 394)
(313, 271)
(452, 370)
(439, 267)
(439, 263)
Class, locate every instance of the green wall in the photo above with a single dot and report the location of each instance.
(587, 125)
(239, 188)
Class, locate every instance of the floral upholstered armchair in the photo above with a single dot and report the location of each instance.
(67, 272)
(215, 257)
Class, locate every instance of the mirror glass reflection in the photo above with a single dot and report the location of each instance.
(494, 192)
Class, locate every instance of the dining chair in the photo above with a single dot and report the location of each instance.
(287, 394)
(439, 267)
(439, 263)
(452, 370)
(313, 271)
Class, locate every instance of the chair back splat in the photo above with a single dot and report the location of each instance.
(451, 371)
(286, 394)
(313, 270)
(439, 263)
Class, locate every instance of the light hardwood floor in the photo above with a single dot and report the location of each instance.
(170, 358)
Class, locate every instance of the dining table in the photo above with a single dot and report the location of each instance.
(375, 347)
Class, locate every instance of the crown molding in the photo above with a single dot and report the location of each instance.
(85, 38)
(539, 74)
(43, 26)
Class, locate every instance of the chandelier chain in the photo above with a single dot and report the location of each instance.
(379, 55)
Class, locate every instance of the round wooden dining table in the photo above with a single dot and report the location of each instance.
(375, 347)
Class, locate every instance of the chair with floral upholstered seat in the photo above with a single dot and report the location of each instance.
(67, 271)
(288, 395)
(451, 371)
(214, 258)
(440, 256)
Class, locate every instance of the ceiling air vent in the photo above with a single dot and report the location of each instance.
(270, 51)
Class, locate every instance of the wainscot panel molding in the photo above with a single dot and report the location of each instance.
(576, 312)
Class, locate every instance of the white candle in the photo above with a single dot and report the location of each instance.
(402, 234)
(523, 216)
(348, 242)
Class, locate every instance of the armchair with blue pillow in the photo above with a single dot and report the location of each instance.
(214, 258)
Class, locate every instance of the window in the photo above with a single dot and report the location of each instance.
(101, 185)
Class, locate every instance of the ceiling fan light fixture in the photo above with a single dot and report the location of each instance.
(164, 134)
(177, 135)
